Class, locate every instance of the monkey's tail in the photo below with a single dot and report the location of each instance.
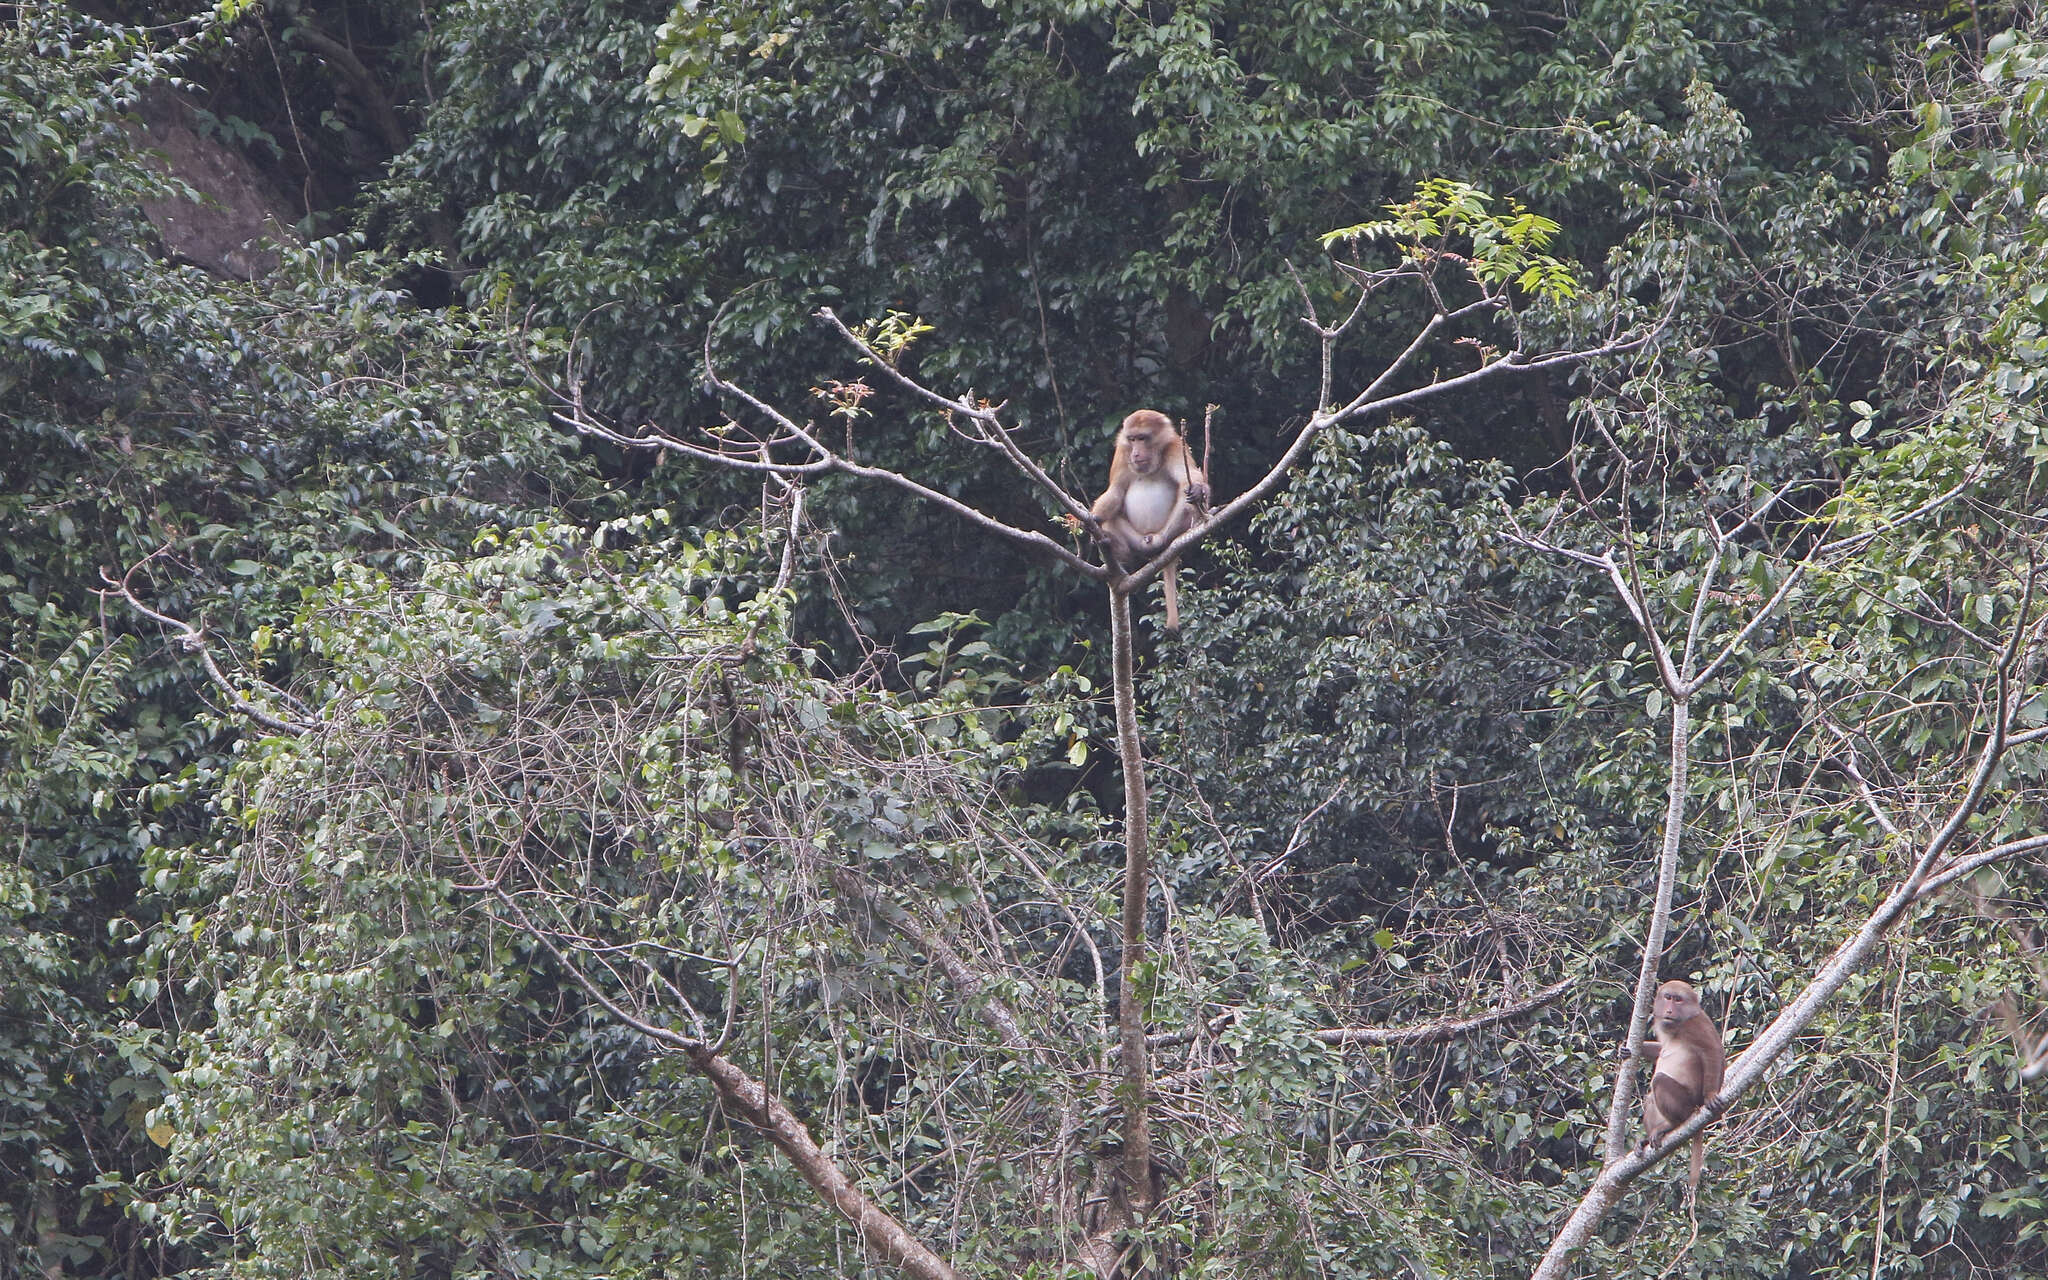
(1692, 1210)
(1699, 1162)
(1171, 577)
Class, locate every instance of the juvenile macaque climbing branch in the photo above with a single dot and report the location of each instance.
(1850, 956)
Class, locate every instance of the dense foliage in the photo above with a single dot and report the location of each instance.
(388, 769)
(235, 442)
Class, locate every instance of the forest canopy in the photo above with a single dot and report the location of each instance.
(565, 714)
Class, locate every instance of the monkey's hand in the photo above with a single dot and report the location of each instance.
(1198, 493)
(1112, 550)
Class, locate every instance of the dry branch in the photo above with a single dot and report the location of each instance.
(1435, 1031)
(1443, 1029)
(888, 1238)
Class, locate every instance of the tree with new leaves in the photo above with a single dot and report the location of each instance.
(604, 920)
(1469, 262)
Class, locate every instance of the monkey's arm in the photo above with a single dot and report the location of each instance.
(1112, 530)
(1189, 509)
(1110, 503)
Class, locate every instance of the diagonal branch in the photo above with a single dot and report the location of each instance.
(887, 1237)
(826, 461)
(1435, 1031)
(193, 640)
(1443, 1029)
(986, 416)
(882, 1233)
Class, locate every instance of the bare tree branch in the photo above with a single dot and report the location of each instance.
(193, 641)
(1444, 1029)
(1321, 420)
(880, 1232)
(988, 417)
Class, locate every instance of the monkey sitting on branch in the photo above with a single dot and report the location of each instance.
(1691, 1061)
(1155, 494)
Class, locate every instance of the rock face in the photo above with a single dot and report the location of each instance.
(241, 209)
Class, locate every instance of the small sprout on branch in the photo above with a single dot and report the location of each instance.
(845, 397)
(1486, 351)
(890, 336)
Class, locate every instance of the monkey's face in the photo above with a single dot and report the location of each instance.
(1144, 450)
(1676, 1004)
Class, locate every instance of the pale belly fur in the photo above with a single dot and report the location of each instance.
(1148, 504)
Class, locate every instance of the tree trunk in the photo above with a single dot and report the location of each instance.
(1130, 1004)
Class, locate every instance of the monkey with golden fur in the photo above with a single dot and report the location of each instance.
(1155, 494)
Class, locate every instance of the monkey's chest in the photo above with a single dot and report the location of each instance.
(1149, 503)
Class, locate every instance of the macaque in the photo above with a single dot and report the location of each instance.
(1690, 1062)
(1154, 492)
